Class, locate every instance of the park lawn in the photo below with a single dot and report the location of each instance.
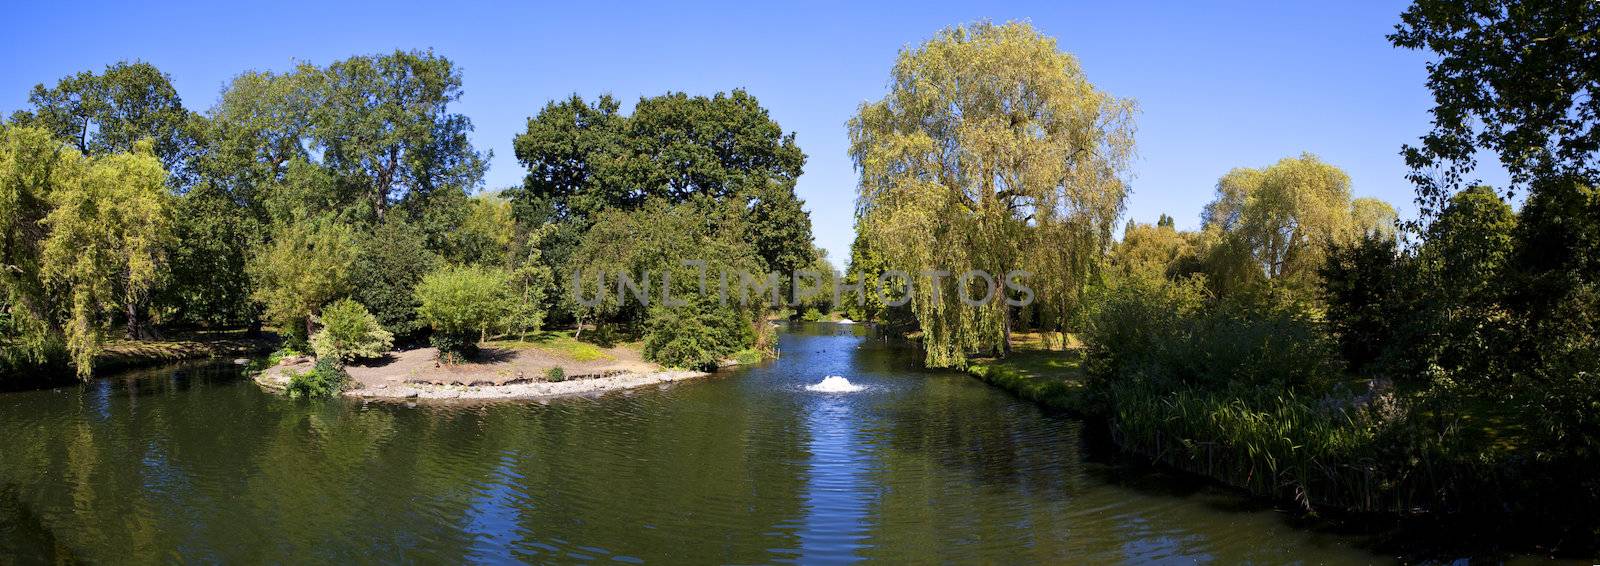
(560, 343)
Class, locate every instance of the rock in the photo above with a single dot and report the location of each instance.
(240, 361)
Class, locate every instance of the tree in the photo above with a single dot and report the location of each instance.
(32, 166)
(1276, 224)
(306, 265)
(461, 304)
(210, 283)
(391, 261)
(110, 230)
(1373, 217)
(383, 126)
(1516, 79)
(585, 158)
(992, 152)
(112, 111)
(1151, 250)
(486, 233)
(866, 265)
(255, 132)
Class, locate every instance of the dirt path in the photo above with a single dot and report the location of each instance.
(497, 372)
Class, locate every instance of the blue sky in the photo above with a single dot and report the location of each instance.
(1219, 85)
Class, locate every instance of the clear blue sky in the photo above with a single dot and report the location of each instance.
(1219, 86)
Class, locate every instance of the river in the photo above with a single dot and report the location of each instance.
(196, 463)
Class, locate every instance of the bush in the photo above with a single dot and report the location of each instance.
(747, 356)
(461, 304)
(350, 333)
(324, 380)
(555, 374)
(695, 336)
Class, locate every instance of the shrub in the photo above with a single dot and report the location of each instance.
(695, 336)
(324, 380)
(747, 356)
(461, 304)
(349, 333)
(555, 374)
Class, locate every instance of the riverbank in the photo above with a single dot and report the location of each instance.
(550, 365)
(1339, 457)
(120, 355)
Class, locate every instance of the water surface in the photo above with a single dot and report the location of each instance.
(196, 463)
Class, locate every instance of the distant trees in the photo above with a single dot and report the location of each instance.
(991, 152)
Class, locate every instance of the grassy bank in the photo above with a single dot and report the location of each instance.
(1053, 378)
(1313, 451)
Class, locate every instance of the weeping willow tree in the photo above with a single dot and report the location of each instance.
(991, 152)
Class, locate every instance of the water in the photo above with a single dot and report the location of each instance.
(196, 463)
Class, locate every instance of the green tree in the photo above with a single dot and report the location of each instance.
(993, 152)
(1515, 79)
(1152, 250)
(383, 126)
(254, 132)
(112, 111)
(1373, 217)
(1285, 215)
(306, 265)
(461, 304)
(866, 265)
(210, 283)
(32, 167)
(585, 158)
(109, 235)
(1275, 225)
(392, 259)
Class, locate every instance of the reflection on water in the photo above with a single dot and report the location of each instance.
(197, 463)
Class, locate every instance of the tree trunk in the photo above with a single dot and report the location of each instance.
(310, 326)
(138, 327)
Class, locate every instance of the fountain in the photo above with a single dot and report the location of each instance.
(834, 384)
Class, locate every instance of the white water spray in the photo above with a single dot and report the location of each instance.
(834, 384)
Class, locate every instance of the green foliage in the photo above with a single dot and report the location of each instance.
(586, 159)
(747, 356)
(391, 261)
(381, 122)
(349, 333)
(695, 336)
(1274, 224)
(210, 284)
(461, 304)
(555, 374)
(957, 174)
(656, 239)
(306, 265)
(32, 165)
(110, 227)
(111, 112)
(327, 379)
(1359, 284)
(1516, 80)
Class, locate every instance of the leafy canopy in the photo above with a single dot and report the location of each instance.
(992, 151)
